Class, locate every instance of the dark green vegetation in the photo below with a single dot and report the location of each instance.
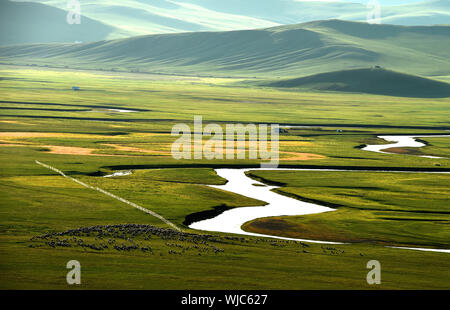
(74, 130)
(285, 51)
(373, 81)
(403, 209)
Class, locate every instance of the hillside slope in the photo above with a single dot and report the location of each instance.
(373, 81)
(142, 17)
(26, 22)
(288, 51)
(429, 12)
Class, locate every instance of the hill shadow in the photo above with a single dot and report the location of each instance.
(376, 81)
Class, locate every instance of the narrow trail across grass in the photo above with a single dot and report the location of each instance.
(111, 195)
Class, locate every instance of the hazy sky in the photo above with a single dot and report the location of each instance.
(383, 2)
(391, 2)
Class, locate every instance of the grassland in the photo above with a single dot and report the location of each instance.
(435, 146)
(41, 116)
(385, 208)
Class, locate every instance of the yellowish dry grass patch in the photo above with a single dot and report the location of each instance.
(136, 149)
(14, 122)
(20, 135)
(302, 156)
(72, 150)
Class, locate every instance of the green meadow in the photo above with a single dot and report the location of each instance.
(402, 209)
(80, 133)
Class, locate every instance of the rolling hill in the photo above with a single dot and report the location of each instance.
(372, 80)
(286, 51)
(127, 18)
(290, 11)
(26, 22)
(141, 17)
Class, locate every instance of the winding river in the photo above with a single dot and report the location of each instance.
(232, 220)
(400, 141)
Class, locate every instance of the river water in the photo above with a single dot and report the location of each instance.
(232, 220)
(400, 141)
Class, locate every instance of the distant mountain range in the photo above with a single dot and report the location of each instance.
(44, 21)
(284, 51)
(25, 22)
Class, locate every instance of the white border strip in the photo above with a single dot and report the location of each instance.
(112, 196)
(421, 249)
